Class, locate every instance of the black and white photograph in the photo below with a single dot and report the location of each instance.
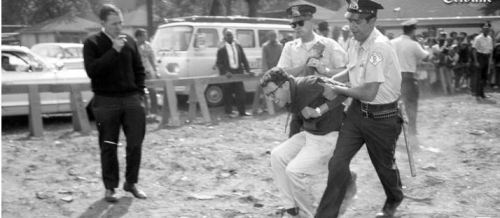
(250, 108)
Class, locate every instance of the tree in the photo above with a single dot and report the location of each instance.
(30, 12)
(252, 7)
(491, 8)
(216, 8)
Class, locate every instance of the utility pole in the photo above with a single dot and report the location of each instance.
(149, 14)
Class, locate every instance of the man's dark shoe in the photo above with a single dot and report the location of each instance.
(245, 114)
(294, 211)
(389, 209)
(110, 196)
(136, 192)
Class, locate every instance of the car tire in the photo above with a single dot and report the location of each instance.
(214, 95)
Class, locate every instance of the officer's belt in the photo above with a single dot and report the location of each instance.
(378, 111)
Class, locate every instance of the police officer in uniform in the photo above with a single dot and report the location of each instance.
(410, 53)
(374, 74)
(296, 54)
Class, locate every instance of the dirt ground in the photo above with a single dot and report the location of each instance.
(222, 170)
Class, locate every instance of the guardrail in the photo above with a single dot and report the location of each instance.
(170, 114)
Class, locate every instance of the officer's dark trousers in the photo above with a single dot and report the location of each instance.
(380, 137)
(111, 113)
(234, 93)
(480, 75)
(410, 94)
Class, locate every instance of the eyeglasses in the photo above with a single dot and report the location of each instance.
(297, 23)
(272, 94)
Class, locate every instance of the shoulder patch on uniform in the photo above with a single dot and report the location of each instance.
(375, 58)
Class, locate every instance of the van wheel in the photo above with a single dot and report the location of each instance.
(214, 95)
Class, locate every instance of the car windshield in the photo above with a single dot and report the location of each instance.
(22, 61)
(73, 52)
(174, 38)
(53, 51)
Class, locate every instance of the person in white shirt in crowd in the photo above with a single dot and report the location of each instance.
(345, 36)
(148, 60)
(410, 53)
(482, 48)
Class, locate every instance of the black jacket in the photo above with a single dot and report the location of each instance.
(113, 73)
(223, 61)
(308, 91)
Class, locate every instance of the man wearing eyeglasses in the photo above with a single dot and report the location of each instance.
(307, 152)
(297, 55)
(374, 74)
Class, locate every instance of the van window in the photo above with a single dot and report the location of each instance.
(173, 38)
(245, 38)
(263, 36)
(210, 36)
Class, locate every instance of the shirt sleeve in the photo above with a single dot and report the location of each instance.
(420, 51)
(475, 43)
(374, 67)
(337, 57)
(285, 58)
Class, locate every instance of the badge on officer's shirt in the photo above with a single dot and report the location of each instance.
(375, 58)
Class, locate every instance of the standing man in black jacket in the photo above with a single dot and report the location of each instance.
(232, 60)
(114, 66)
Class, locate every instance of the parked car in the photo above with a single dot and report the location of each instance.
(20, 66)
(62, 55)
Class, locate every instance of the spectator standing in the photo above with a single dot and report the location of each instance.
(271, 52)
(462, 72)
(324, 29)
(409, 53)
(482, 48)
(496, 63)
(148, 61)
(114, 65)
(231, 59)
(344, 38)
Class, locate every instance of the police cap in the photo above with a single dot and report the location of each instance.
(300, 11)
(363, 6)
(409, 22)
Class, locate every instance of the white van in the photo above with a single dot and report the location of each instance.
(187, 47)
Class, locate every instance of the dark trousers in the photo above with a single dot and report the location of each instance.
(111, 113)
(234, 93)
(480, 75)
(410, 94)
(380, 137)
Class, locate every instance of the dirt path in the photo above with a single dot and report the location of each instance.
(222, 170)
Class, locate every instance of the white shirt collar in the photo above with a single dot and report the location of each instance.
(374, 34)
(110, 38)
(314, 40)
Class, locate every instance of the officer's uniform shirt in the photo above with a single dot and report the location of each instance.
(295, 53)
(375, 61)
(409, 52)
(482, 44)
